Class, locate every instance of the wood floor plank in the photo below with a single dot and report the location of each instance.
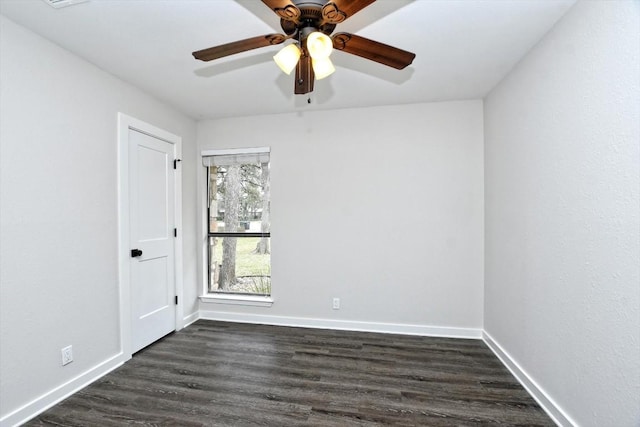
(228, 374)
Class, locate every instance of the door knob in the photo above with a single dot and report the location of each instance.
(136, 253)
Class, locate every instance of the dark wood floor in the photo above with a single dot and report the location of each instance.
(216, 373)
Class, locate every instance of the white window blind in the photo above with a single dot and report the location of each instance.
(235, 157)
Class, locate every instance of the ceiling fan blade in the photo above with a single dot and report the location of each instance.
(375, 51)
(285, 9)
(238, 46)
(337, 11)
(304, 76)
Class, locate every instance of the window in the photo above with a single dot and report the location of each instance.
(239, 246)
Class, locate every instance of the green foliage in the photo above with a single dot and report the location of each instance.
(260, 285)
(247, 262)
(251, 193)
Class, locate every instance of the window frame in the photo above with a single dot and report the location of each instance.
(227, 297)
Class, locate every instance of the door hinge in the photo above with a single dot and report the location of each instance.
(175, 163)
(175, 232)
(176, 299)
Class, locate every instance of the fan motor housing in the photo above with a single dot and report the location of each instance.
(310, 17)
(311, 4)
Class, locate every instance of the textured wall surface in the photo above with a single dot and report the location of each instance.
(382, 207)
(562, 166)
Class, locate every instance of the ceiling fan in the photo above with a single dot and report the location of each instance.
(309, 23)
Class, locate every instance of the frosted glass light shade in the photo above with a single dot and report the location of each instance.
(319, 45)
(322, 67)
(287, 58)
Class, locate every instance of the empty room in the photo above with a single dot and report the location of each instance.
(391, 212)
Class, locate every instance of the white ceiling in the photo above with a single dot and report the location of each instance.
(463, 49)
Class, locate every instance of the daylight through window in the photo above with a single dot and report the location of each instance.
(239, 223)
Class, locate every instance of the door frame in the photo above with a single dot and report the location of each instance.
(125, 124)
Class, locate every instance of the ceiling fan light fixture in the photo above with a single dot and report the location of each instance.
(322, 67)
(309, 23)
(319, 45)
(288, 57)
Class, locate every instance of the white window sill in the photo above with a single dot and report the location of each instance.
(253, 300)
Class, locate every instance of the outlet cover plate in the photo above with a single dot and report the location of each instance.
(67, 355)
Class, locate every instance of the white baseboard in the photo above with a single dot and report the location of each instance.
(348, 325)
(552, 409)
(187, 320)
(47, 400)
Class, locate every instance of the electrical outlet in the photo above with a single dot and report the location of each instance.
(336, 303)
(67, 355)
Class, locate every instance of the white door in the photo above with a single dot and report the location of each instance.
(152, 222)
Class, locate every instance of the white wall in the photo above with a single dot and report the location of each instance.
(58, 216)
(562, 165)
(382, 207)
